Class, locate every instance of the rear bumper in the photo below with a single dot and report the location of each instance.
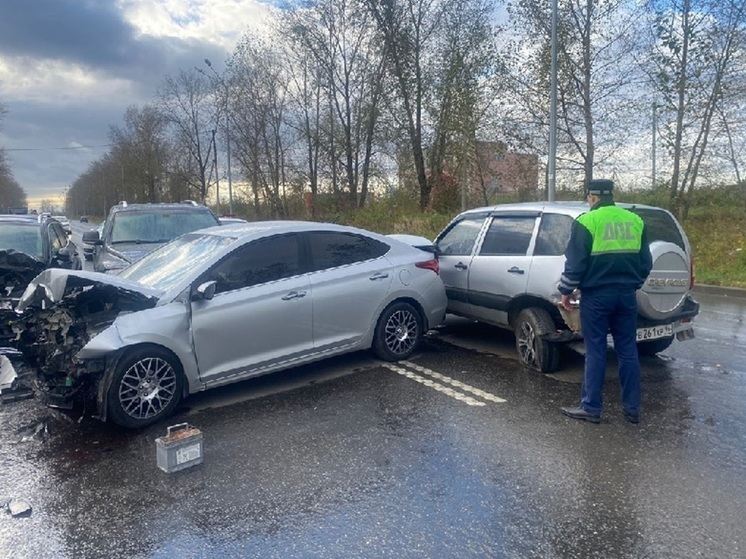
(682, 320)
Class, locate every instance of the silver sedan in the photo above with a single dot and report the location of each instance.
(224, 304)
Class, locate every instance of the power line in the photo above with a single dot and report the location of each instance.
(58, 148)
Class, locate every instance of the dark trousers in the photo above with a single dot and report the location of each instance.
(602, 311)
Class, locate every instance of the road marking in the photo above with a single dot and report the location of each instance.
(458, 384)
(460, 396)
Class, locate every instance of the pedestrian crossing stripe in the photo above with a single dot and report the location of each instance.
(460, 396)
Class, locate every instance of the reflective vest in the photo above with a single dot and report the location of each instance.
(613, 230)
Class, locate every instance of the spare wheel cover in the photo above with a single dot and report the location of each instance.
(665, 289)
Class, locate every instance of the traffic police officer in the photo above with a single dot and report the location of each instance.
(607, 260)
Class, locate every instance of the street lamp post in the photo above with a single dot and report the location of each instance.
(552, 159)
(227, 137)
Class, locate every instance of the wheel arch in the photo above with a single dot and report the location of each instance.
(526, 301)
(112, 362)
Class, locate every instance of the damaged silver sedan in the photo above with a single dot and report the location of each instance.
(221, 305)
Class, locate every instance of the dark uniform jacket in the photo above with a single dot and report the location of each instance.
(608, 247)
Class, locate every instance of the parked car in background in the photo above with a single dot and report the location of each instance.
(501, 265)
(28, 245)
(64, 222)
(224, 304)
(83, 219)
(133, 230)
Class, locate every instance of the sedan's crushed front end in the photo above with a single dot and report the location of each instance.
(58, 314)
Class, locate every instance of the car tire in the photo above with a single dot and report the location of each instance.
(146, 387)
(398, 332)
(654, 346)
(535, 352)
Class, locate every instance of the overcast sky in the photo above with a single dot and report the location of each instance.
(70, 68)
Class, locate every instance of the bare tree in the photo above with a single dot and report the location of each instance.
(142, 144)
(596, 76)
(187, 103)
(696, 45)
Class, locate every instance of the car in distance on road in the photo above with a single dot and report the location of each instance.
(501, 265)
(133, 230)
(83, 219)
(220, 305)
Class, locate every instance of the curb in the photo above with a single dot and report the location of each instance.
(720, 290)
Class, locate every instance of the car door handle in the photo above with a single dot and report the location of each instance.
(460, 266)
(294, 295)
(516, 270)
(378, 276)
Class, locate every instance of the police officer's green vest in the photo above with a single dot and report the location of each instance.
(613, 229)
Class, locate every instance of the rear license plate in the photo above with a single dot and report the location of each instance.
(654, 332)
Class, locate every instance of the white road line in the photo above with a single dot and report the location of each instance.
(453, 382)
(434, 385)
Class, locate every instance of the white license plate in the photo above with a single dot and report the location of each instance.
(654, 332)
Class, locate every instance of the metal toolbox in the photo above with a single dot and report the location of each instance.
(180, 448)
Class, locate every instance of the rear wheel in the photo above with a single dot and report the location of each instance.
(146, 387)
(534, 351)
(398, 332)
(654, 346)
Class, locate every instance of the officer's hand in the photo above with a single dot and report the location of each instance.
(566, 303)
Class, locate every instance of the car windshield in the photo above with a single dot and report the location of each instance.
(166, 267)
(157, 226)
(23, 238)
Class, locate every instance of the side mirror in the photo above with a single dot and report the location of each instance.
(91, 237)
(205, 291)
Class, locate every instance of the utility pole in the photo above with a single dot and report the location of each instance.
(655, 126)
(217, 178)
(552, 162)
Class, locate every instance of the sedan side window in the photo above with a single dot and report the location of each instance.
(508, 235)
(258, 262)
(460, 238)
(554, 232)
(330, 249)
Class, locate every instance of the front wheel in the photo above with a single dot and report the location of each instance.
(146, 387)
(398, 332)
(534, 351)
(654, 346)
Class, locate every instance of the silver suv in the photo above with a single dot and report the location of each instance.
(133, 230)
(501, 265)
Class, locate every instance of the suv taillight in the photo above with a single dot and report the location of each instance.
(433, 265)
(691, 273)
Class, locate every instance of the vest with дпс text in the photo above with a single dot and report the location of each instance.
(613, 230)
(608, 248)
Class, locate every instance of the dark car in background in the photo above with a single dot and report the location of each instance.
(28, 245)
(133, 230)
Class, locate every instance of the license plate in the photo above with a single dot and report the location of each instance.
(654, 332)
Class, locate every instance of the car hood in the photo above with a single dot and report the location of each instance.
(52, 285)
(17, 269)
(132, 252)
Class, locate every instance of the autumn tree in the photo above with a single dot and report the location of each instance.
(696, 57)
(186, 101)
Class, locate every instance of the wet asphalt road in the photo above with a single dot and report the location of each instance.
(350, 458)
